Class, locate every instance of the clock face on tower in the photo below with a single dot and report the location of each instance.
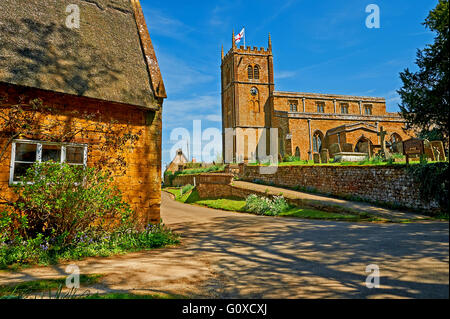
(253, 91)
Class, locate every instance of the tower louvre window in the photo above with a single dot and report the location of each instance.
(250, 72)
(256, 73)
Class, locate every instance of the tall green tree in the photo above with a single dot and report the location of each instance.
(425, 93)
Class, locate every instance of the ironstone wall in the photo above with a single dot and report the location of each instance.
(383, 184)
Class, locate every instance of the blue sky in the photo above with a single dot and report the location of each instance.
(318, 46)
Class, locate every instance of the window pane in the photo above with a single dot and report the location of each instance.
(26, 152)
(256, 73)
(51, 153)
(20, 169)
(74, 155)
(250, 72)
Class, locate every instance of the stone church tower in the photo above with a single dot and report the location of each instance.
(304, 123)
(247, 85)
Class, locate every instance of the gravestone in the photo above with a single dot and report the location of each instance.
(324, 156)
(384, 151)
(316, 158)
(428, 150)
(439, 152)
(413, 148)
(382, 134)
(364, 147)
(347, 147)
(334, 148)
(397, 147)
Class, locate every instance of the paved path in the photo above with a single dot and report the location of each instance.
(227, 255)
(321, 201)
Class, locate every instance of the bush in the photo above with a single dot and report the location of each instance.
(433, 180)
(60, 201)
(62, 211)
(291, 158)
(266, 206)
(124, 239)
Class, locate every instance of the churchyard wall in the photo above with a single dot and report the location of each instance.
(378, 184)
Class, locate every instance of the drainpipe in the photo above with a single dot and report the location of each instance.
(310, 141)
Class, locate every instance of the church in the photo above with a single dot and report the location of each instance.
(306, 123)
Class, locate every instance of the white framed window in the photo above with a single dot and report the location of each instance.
(24, 153)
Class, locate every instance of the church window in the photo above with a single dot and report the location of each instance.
(297, 152)
(320, 107)
(250, 72)
(293, 106)
(395, 138)
(344, 108)
(368, 109)
(317, 142)
(256, 72)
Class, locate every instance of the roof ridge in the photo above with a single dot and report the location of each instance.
(148, 51)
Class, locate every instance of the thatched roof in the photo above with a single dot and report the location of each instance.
(110, 57)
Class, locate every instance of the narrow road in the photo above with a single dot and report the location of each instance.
(232, 255)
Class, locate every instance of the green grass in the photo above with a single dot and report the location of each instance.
(132, 296)
(188, 198)
(317, 214)
(361, 163)
(234, 205)
(174, 191)
(44, 285)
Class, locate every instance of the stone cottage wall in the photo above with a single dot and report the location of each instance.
(141, 184)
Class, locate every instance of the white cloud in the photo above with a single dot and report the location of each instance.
(179, 76)
(285, 75)
(214, 118)
(392, 101)
(163, 25)
(181, 113)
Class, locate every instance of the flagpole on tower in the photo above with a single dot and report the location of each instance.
(244, 37)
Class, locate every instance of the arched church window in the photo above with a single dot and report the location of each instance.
(256, 72)
(250, 72)
(395, 138)
(317, 142)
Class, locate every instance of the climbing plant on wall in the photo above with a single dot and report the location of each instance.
(433, 181)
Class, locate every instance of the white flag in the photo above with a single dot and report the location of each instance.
(239, 37)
